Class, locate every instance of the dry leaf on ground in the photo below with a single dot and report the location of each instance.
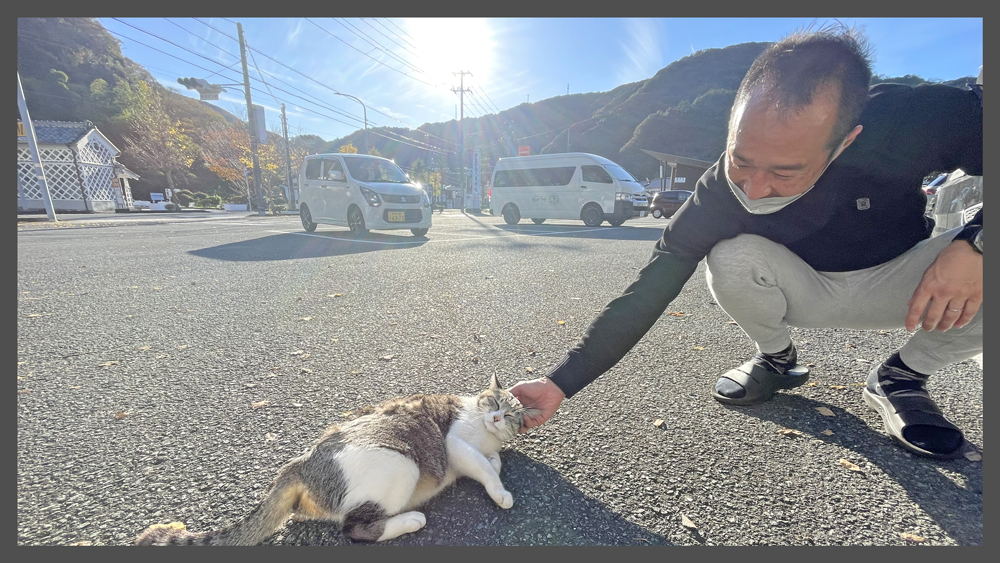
(120, 415)
(658, 422)
(561, 322)
(675, 313)
(698, 347)
(270, 437)
(529, 369)
(973, 456)
(182, 346)
(296, 353)
(849, 465)
(789, 432)
(260, 404)
(332, 295)
(306, 370)
(687, 523)
(825, 411)
(388, 357)
(107, 364)
(827, 432)
(911, 537)
(305, 318)
(838, 387)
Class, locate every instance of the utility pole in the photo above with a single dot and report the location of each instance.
(251, 122)
(461, 128)
(29, 132)
(288, 161)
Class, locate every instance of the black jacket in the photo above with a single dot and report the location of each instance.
(866, 209)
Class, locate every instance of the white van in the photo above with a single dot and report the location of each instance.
(360, 192)
(565, 186)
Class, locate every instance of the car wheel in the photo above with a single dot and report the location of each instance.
(307, 222)
(418, 232)
(657, 214)
(592, 215)
(356, 222)
(617, 221)
(538, 221)
(511, 215)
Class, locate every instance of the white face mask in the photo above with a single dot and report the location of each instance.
(768, 205)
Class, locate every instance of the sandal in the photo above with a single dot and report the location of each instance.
(760, 379)
(910, 416)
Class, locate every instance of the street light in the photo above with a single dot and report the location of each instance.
(365, 110)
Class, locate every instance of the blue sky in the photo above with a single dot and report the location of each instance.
(403, 69)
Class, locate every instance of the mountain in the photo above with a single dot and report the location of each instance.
(67, 66)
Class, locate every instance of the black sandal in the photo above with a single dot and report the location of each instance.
(761, 380)
(911, 417)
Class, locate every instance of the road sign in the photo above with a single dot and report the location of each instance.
(477, 178)
(523, 151)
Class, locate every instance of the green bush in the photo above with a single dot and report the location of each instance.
(212, 201)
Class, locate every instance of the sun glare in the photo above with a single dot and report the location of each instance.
(448, 45)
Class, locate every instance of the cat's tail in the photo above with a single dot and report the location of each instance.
(281, 500)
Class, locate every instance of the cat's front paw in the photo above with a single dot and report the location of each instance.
(503, 498)
(495, 463)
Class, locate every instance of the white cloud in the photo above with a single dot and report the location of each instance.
(641, 49)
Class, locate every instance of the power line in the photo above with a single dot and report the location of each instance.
(375, 44)
(367, 55)
(387, 37)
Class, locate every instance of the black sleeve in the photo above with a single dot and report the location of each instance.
(624, 321)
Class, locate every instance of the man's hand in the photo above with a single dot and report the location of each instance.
(541, 396)
(951, 291)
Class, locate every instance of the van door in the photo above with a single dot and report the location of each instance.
(310, 189)
(597, 185)
(334, 190)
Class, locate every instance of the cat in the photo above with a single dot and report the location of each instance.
(372, 472)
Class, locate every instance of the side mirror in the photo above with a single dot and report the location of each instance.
(335, 175)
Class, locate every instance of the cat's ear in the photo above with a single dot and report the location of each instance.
(495, 382)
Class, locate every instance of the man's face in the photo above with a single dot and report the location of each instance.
(769, 155)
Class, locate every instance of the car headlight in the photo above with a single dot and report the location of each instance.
(370, 196)
(623, 196)
(425, 200)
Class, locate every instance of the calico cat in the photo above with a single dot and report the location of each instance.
(370, 473)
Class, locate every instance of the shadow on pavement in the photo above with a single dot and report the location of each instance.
(548, 510)
(952, 506)
(299, 245)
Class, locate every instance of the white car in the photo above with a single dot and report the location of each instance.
(360, 192)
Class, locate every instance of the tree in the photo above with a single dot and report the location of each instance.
(153, 140)
(226, 149)
(348, 148)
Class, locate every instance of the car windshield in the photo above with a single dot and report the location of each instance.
(619, 173)
(375, 170)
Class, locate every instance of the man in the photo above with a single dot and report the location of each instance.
(814, 217)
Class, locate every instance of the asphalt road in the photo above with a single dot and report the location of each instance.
(144, 344)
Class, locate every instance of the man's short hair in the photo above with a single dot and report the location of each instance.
(793, 69)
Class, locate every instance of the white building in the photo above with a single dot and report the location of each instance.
(80, 166)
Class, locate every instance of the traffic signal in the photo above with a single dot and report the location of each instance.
(206, 91)
(193, 83)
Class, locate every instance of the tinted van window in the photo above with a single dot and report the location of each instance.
(558, 176)
(313, 168)
(593, 173)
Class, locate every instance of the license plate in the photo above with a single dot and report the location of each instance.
(397, 216)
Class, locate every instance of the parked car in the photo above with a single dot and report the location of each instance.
(360, 192)
(957, 201)
(930, 190)
(666, 203)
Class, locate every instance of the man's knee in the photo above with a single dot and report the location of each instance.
(738, 261)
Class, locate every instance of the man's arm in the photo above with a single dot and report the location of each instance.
(622, 323)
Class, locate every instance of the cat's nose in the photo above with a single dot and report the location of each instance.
(496, 418)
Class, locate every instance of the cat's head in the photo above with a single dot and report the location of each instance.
(503, 414)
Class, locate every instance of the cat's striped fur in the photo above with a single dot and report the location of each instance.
(371, 473)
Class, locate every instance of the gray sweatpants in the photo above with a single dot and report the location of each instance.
(766, 288)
